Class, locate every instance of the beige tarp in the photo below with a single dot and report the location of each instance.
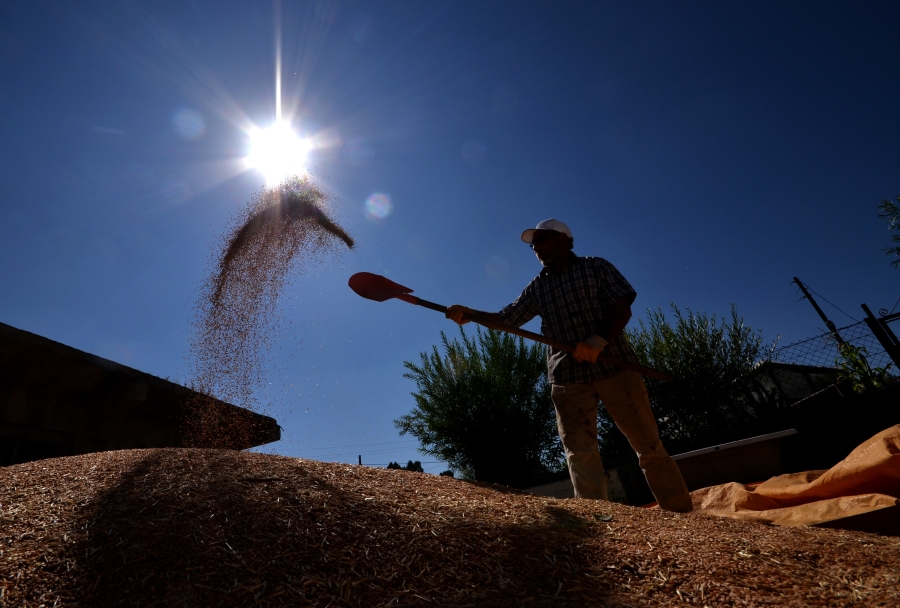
(860, 492)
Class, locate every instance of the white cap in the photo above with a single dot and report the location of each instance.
(550, 224)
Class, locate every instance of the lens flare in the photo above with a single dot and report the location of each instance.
(378, 206)
(278, 153)
(189, 124)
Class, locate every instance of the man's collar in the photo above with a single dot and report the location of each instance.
(546, 272)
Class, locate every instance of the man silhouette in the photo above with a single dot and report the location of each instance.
(586, 301)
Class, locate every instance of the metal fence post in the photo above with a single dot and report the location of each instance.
(885, 335)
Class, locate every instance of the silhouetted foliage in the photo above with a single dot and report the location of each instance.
(890, 211)
(414, 466)
(713, 361)
(447, 473)
(483, 406)
(410, 466)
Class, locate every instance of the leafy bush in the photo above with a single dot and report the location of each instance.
(713, 362)
(855, 370)
(483, 406)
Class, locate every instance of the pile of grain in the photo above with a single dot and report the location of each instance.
(223, 528)
(275, 237)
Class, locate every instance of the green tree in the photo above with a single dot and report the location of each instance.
(713, 361)
(483, 406)
(890, 211)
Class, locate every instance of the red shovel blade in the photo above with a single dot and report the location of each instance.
(376, 287)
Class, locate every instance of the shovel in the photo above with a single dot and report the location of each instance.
(379, 288)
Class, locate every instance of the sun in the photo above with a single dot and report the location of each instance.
(277, 152)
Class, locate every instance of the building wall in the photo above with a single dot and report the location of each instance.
(58, 401)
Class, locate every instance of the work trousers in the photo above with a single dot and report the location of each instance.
(625, 398)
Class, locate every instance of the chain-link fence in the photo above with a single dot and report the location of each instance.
(804, 368)
(822, 350)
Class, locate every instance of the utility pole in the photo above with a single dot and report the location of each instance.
(828, 323)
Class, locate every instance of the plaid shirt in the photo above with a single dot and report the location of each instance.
(572, 306)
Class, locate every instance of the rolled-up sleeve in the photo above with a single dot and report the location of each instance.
(523, 310)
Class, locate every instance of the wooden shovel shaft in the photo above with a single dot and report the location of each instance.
(524, 333)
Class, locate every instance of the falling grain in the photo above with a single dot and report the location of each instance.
(276, 236)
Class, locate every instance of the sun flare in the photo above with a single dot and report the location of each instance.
(278, 152)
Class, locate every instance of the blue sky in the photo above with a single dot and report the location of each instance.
(711, 151)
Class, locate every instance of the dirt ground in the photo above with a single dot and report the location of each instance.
(184, 527)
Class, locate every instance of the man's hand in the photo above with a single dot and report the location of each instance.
(459, 313)
(588, 350)
(585, 352)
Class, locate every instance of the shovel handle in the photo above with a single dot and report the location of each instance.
(634, 367)
(524, 333)
(420, 302)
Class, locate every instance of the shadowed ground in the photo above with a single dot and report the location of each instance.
(176, 527)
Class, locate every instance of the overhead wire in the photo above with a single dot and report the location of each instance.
(360, 445)
(384, 464)
(829, 302)
(357, 452)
